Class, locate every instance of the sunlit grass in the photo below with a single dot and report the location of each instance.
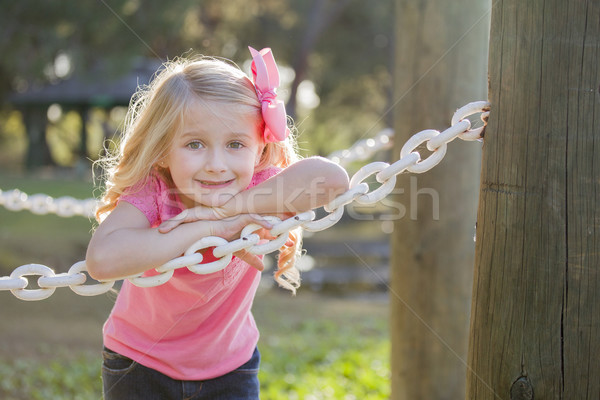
(326, 360)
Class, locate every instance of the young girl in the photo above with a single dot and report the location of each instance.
(205, 151)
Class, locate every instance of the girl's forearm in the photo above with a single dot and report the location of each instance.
(131, 251)
(305, 185)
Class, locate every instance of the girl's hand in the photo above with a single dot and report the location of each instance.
(265, 235)
(199, 213)
(232, 227)
(225, 227)
(254, 260)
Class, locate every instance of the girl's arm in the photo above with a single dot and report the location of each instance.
(307, 184)
(124, 244)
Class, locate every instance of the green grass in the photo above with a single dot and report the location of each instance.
(78, 188)
(313, 346)
(339, 353)
(45, 239)
(54, 379)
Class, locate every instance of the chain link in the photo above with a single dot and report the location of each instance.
(32, 294)
(325, 222)
(8, 283)
(475, 107)
(352, 194)
(40, 204)
(385, 174)
(88, 290)
(271, 245)
(376, 195)
(151, 280)
(364, 149)
(205, 243)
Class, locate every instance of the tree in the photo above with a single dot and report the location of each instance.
(319, 18)
(347, 57)
(441, 60)
(534, 324)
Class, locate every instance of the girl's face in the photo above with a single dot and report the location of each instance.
(213, 156)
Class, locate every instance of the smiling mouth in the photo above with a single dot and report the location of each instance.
(214, 184)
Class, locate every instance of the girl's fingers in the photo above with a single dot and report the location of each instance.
(264, 233)
(172, 223)
(252, 259)
(187, 215)
(232, 224)
(259, 219)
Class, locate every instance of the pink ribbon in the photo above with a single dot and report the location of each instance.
(265, 76)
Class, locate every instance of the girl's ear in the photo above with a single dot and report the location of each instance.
(162, 164)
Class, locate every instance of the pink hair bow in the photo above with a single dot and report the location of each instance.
(265, 76)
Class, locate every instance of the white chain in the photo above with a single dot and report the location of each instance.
(364, 148)
(410, 160)
(15, 200)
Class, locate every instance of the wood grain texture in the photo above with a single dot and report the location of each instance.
(535, 300)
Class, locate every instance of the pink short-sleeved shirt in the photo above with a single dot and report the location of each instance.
(193, 327)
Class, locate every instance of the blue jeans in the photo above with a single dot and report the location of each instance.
(124, 379)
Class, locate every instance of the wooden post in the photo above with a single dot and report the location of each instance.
(441, 64)
(535, 326)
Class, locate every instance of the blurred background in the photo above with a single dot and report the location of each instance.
(71, 68)
(67, 72)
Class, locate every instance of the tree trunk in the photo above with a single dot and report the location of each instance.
(535, 324)
(441, 64)
(38, 151)
(320, 17)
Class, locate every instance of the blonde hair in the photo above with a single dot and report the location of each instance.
(154, 117)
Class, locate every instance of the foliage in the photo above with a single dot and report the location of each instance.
(342, 46)
(13, 143)
(34, 33)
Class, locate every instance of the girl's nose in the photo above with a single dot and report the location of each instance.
(215, 162)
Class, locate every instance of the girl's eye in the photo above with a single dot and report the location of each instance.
(236, 145)
(194, 145)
